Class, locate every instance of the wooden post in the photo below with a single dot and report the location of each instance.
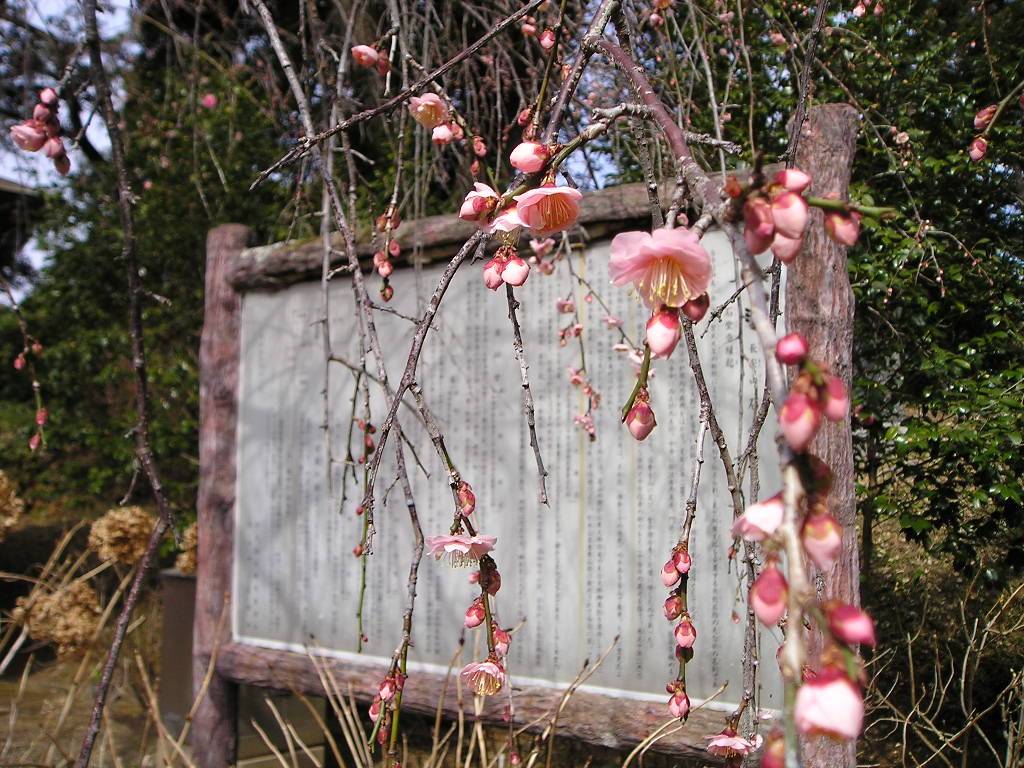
(820, 305)
(214, 728)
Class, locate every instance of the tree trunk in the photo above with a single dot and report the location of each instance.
(819, 305)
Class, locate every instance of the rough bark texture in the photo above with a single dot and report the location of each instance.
(820, 305)
(214, 729)
(589, 717)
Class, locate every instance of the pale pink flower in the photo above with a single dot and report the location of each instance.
(575, 377)
(859, 10)
(492, 274)
(822, 539)
(793, 179)
(565, 306)
(529, 157)
(549, 209)
(759, 521)
(484, 677)
(664, 332)
(656, 19)
(679, 704)
(830, 705)
(667, 266)
(41, 113)
(728, 744)
(506, 221)
(789, 213)
(209, 100)
(460, 550)
(837, 399)
(640, 420)
(542, 247)
(365, 55)
(502, 640)
(842, 227)
(686, 633)
(29, 135)
(479, 204)
(799, 419)
(768, 595)
(791, 349)
(850, 624)
(516, 271)
(442, 134)
(428, 110)
(758, 226)
(777, 38)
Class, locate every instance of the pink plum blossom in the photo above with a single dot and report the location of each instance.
(529, 157)
(502, 640)
(793, 179)
(822, 539)
(758, 226)
(428, 110)
(843, 227)
(484, 677)
(506, 221)
(549, 209)
(837, 400)
(728, 744)
(492, 274)
(799, 419)
(789, 212)
(460, 550)
(29, 135)
(663, 332)
(768, 595)
(640, 419)
(667, 266)
(542, 247)
(516, 271)
(850, 624)
(791, 349)
(829, 705)
(759, 521)
(442, 135)
(479, 204)
(565, 306)
(365, 55)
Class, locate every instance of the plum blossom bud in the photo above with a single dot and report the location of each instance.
(793, 179)
(62, 164)
(394, 248)
(759, 521)
(428, 110)
(679, 704)
(41, 416)
(542, 248)
(785, 249)
(697, 307)
(640, 419)
(383, 65)
(528, 29)
(829, 705)
(758, 227)
(984, 117)
(822, 538)
(673, 607)
(844, 228)
(565, 306)
(475, 615)
(442, 135)
(850, 624)
(53, 148)
(387, 292)
(656, 19)
(791, 349)
(529, 157)
(209, 100)
(28, 135)
(685, 632)
(375, 708)
(799, 419)
(34, 442)
(466, 498)
(479, 204)
(492, 274)
(768, 595)
(523, 118)
(479, 146)
(837, 399)
(789, 212)
(49, 97)
(669, 574)
(41, 113)
(502, 640)
(681, 560)
(859, 10)
(365, 55)
(388, 688)
(547, 39)
(516, 271)
(663, 331)
(978, 148)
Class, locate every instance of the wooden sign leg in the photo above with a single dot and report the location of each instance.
(215, 726)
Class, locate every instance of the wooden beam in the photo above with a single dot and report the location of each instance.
(214, 729)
